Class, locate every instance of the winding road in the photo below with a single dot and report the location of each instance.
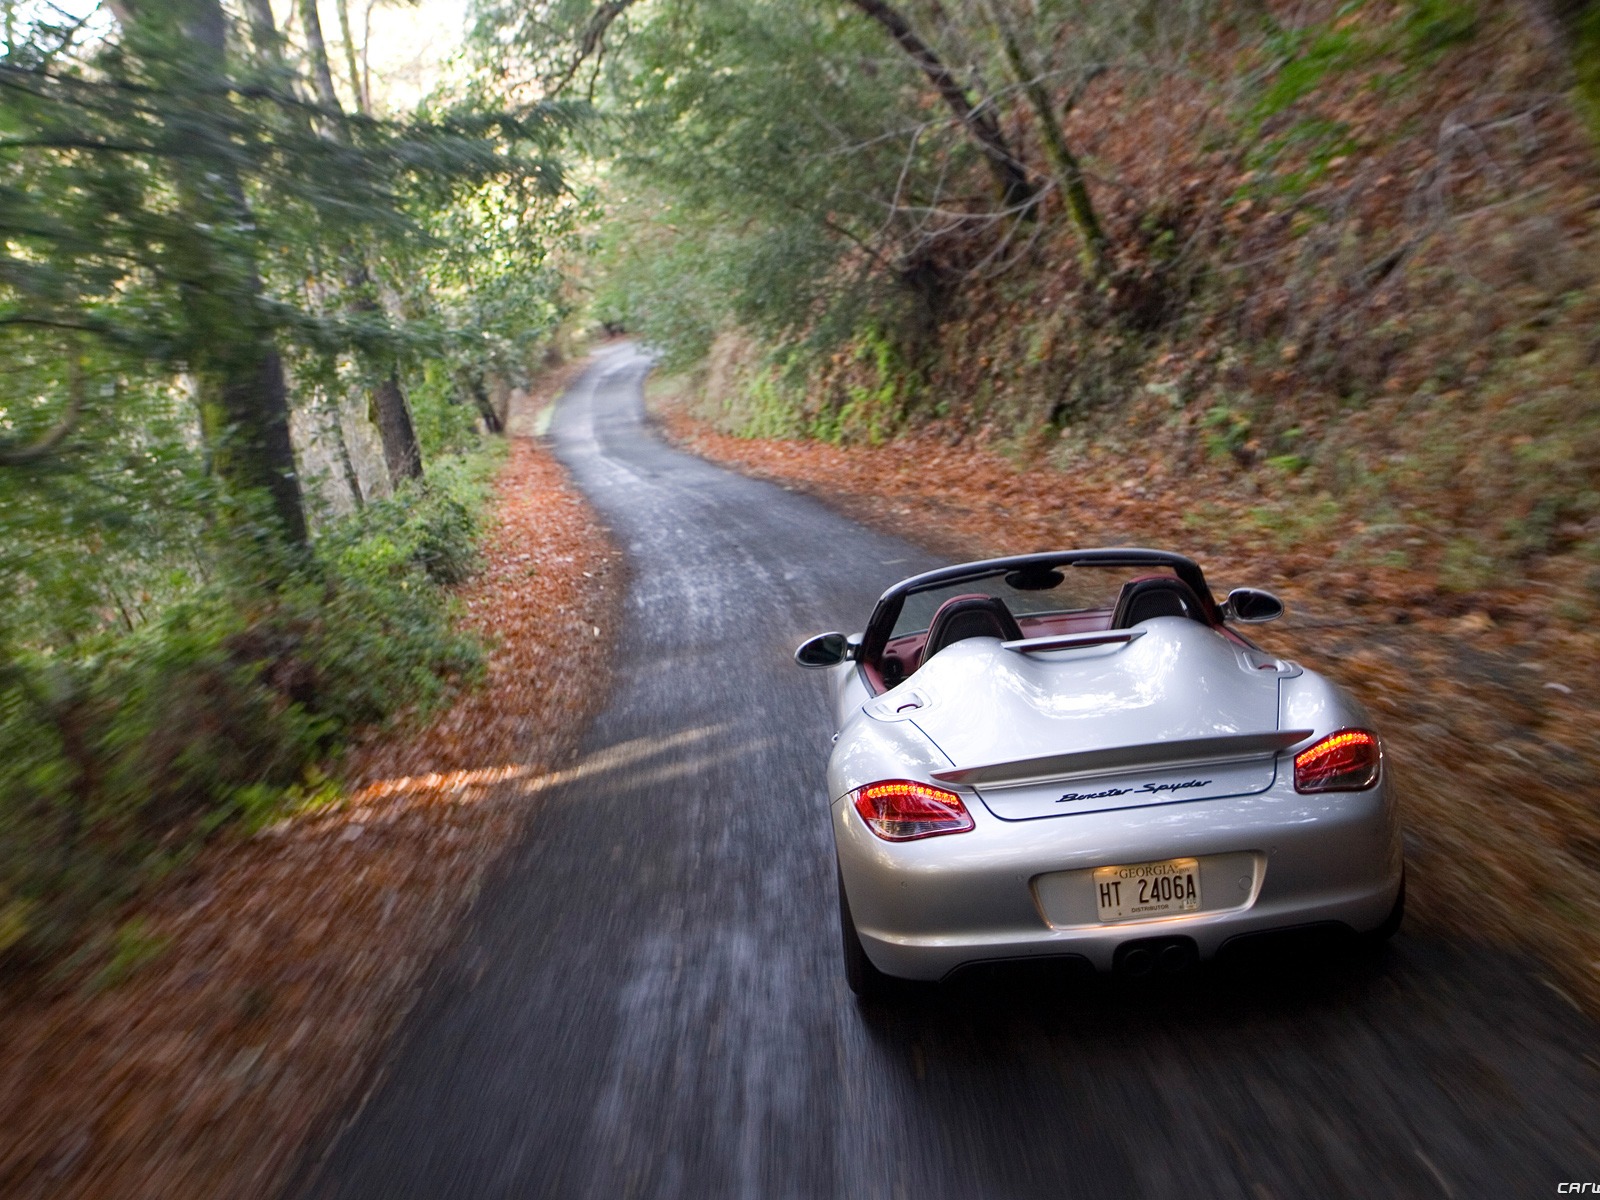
(647, 999)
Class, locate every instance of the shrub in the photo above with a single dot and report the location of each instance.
(120, 752)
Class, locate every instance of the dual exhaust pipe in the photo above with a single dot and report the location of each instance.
(1149, 957)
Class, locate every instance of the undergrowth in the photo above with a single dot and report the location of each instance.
(122, 751)
(1355, 288)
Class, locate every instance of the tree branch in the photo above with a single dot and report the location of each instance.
(13, 455)
(1094, 245)
(593, 36)
(1010, 175)
(47, 323)
(76, 143)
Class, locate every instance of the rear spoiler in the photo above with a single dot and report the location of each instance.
(1071, 641)
(1234, 747)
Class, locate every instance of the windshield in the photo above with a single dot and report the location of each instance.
(1079, 588)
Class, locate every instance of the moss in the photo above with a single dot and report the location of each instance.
(1586, 66)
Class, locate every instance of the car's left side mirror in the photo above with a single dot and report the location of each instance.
(1252, 606)
(824, 650)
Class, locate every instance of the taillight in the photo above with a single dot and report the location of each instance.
(900, 810)
(1346, 761)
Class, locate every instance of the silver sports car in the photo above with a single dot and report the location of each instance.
(1076, 754)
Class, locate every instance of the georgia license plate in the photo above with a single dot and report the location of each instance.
(1148, 889)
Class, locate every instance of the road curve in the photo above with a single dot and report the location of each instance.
(647, 1002)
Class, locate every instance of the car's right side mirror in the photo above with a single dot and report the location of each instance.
(1252, 606)
(824, 650)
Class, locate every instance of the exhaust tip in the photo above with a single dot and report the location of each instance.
(1138, 963)
(1147, 956)
(1178, 956)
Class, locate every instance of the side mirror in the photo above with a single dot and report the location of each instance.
(824, 650)
(1252, 606)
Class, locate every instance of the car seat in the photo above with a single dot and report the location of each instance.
(1155, 596)
(963, 617)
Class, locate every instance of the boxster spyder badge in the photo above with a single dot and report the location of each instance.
(1078, 754)
(1152, 788)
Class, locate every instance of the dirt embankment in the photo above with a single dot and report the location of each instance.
(1486, 700)
(281, 964)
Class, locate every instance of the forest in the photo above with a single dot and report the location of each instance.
(251, 331)
(260, 319)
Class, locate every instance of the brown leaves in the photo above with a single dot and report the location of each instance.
(289, 958)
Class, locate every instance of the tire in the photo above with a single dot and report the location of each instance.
(865, 980)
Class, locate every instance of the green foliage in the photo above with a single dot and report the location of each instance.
(1227, 430)
(445, 423)
(1432, 27)
(485, 276)
(1586, 66)
(1300, 521)
(1306, 58)
(773, 165)
(121, 749)
(133, 946)
(875, 407)
(1293, 161)
(772, 409)
(169, 206)
(1465, 565)
(175, 221)
(433, 523)
(1293, 143)
(668, 288)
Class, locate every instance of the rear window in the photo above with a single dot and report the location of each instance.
(1081, 588)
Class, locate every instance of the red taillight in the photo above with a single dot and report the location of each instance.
(899, 810)
(1346, 761)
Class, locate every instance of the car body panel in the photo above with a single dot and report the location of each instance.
(1178, 682)
(924, 908)
(848, 690)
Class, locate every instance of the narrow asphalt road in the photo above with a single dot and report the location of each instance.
(647, 1000)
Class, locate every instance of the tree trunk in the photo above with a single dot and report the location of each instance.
(401, 453)
(363, 101)
(1092, 243)
(244, 408)
(264, 31)
(352, 477)
(589, 42)
(387, 401)
(480, 397)
(1011, 177)
(321, 75)
(244, 402)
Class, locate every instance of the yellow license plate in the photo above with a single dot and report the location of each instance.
(1148, 889)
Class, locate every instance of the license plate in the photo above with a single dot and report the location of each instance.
(1148, 889)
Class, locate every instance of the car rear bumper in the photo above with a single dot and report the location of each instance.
(1020, 889)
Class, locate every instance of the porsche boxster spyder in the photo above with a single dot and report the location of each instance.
(1078, 754)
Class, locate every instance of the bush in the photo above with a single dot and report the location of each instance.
(121, 752)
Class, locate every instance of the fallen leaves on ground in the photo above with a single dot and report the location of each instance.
(287, 960)
(1486, 702)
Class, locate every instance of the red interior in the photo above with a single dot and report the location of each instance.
(908, 649)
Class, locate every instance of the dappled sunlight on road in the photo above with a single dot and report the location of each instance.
(469, 786)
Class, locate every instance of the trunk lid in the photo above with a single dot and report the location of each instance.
(1176, 713)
